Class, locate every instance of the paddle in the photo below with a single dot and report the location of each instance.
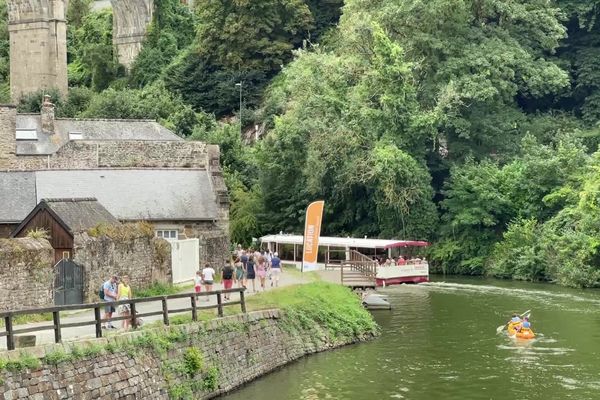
(501, 327)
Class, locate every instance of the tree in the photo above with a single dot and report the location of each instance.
(238, 40)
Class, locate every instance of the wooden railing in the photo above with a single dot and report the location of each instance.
(359, 270)
(98, 308)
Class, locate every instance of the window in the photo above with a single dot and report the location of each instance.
(167, 234)
(66, 255)
(26, 134)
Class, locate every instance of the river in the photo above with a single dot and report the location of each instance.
(440, 342)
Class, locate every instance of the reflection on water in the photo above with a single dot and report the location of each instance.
(439, 341)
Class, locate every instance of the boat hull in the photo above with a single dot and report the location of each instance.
(395, 275)
(401, 279)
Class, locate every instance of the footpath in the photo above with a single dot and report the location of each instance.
(288, 278)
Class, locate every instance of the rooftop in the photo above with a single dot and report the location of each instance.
(330, 241)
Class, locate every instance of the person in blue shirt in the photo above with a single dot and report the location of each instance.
(275, 269)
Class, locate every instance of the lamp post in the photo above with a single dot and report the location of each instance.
(240, 85)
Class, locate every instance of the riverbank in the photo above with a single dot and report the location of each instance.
(194, 360)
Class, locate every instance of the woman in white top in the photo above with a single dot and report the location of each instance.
(208, 276)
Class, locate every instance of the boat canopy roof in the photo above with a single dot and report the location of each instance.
(345, 241)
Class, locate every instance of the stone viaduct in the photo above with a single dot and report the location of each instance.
(130, 23)
(38, 40)
(38, 46)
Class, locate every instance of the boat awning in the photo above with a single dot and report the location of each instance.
(344, 242)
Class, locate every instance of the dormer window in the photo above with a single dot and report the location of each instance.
(75, 136)
(26, 134)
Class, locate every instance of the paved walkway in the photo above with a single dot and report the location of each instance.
(47, 336)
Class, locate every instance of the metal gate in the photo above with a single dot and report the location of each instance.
(68, 283)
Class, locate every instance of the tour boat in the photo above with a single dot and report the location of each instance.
(414, 271)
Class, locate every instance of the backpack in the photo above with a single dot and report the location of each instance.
(101, 292)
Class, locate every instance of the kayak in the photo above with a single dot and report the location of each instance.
(524, 333)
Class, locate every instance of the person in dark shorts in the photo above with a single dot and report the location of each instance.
(227, 278)
(110, 294)
(250, 272)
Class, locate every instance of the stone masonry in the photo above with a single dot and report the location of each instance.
(38, 46)
(26, 275)
(130, 23)
(145, 259)
(8, 143)
(240, 348)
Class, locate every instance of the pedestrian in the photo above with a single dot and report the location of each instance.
(198, 283)
(227, 278)
(275, 269)
(244, 260)
(125, 293)
(208, 277)
(239, 272)
(261, 270)
(250, 272)
(110, 295)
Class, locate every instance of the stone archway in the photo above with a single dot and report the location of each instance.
(130, 24)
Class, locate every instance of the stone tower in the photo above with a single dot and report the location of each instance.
(130, 24)
(38, 46)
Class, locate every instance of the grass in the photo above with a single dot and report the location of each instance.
(162, 289)
(291, 269)
(317, 305)
(27, 319)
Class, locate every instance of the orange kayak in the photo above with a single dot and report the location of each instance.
(524, 333)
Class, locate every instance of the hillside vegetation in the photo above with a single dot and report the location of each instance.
(469, 123)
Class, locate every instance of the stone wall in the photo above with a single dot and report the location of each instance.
(116, 154)
(233, 351)
(8, 142)
(26, 274)
(145, 259)
(38, 46)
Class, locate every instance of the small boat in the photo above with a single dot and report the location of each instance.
(374, 301)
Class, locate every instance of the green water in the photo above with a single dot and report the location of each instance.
(440, 342)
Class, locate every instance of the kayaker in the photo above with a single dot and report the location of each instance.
(515, 318)
(526, 324)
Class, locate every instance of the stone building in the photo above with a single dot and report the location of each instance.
(38, 46)
(137, 169)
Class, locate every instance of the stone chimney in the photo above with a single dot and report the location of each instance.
(47, 116)
(8, 131)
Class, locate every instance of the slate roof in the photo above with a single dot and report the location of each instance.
(128, 194)
(17, 196)
(80, 214)
(90, 129)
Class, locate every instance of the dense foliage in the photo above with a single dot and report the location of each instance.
(472, 123)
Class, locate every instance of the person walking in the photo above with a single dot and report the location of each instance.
(125, 293)
(198, 283)
(239, 272)
(110, 294)
(261, 271)
(275, 269)
(208, 277)
(244, 259)
(250, 272)
(227, 278)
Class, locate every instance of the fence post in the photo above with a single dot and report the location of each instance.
(10, 338)
(219, 305)
(98, 319)
(133, 313)
(56, 319)
(243, 300)
(194, 308)
(165, 311)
